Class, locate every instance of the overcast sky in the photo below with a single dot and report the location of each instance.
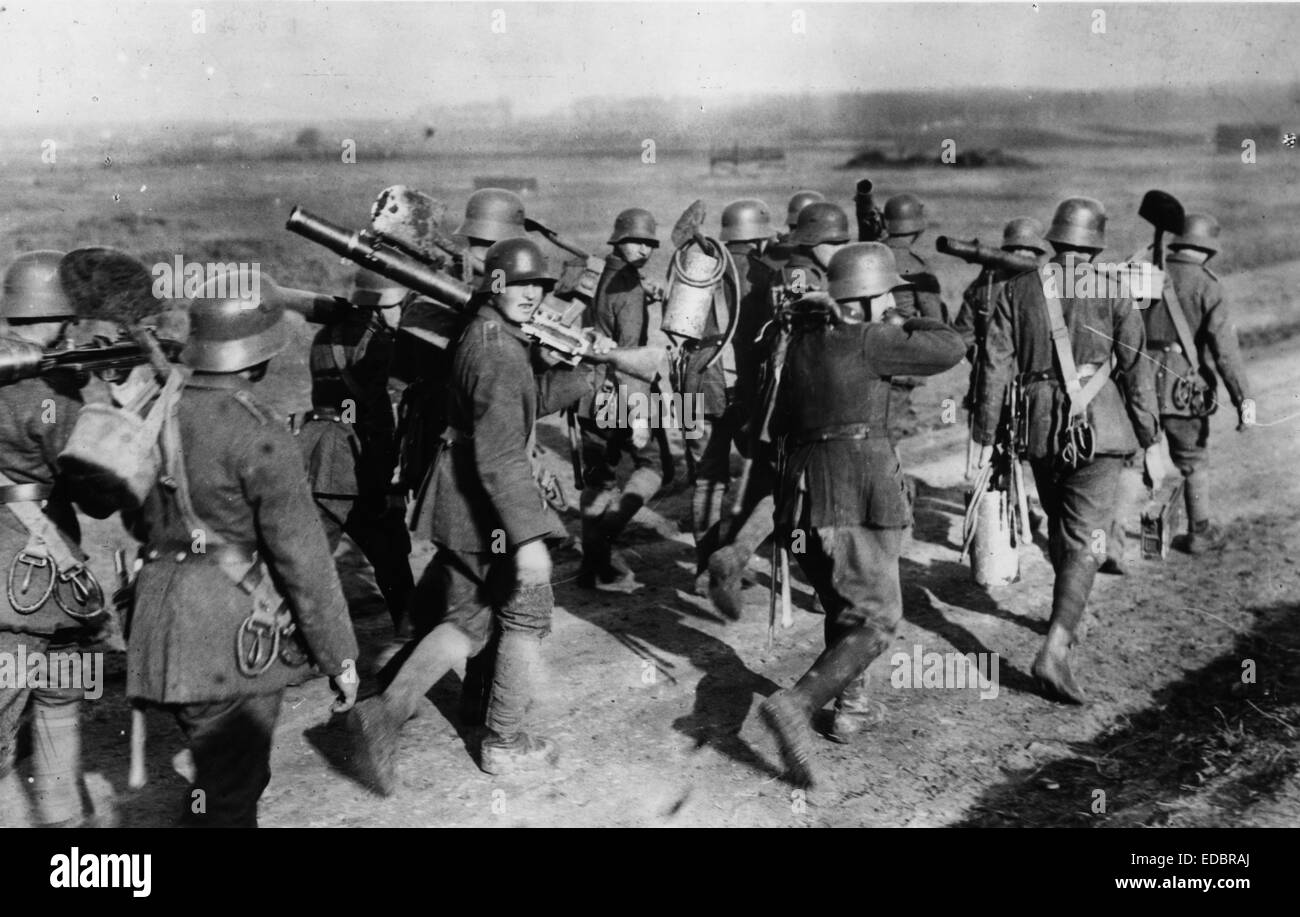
(111, 61)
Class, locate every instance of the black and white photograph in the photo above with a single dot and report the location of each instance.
(650, 414)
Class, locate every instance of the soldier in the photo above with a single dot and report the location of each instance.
(780, 247)
(710, 373)
(231, 535)
(1207, 324)
(1021, 236)
(1088, 402)
(38, 527)
(821, 230)
(622, 311)
(491, 214)
(348, 440)
(841, 487)
(488, 522)
(905, 221)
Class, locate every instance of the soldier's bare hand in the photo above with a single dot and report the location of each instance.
(601, 343)
(345, 686)
(985, 456)
(640, 434)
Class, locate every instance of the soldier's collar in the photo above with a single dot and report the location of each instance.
(490, 313)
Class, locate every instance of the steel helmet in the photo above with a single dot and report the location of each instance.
(1024, 232)
(862, 270)
(1200, 230)
(33, 291)
(904, 213)
(798, 202)
(821, 221)
(1079, 221)
(745, 220)
(231, 333)
(493, 214)
(517, 261)
(634, 223)
(375, 291)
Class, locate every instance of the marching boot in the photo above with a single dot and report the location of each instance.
(1127, 494)
(789, 713)
(854, 711)
(506, 748)
(1052, 665)
(706, 524)
(597, 552)
(727, 565)
(616, 576)
(1202, 535)
(726, 579)
(56, 761)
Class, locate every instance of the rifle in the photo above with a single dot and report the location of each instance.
(24, 360)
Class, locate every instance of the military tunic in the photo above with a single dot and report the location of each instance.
(348, 442)
(482, 500)
(840, 482)
(247, 484)
(36, 417)
(1079, 500)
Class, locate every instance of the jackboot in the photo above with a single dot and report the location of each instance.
(854, 711)
(1128, 493)
(1202, 534)
(1069, 599)
(598, 569)
(706, 524)
(789, 713)
(56, 761)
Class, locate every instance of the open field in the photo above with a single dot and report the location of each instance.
(651, 696)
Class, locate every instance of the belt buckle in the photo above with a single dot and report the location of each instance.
(32, 561)
(87, 596)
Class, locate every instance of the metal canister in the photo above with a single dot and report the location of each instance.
(994, 560)
(690, 292)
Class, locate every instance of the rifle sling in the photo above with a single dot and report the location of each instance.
(1185, 337)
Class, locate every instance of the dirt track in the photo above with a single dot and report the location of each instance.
(652, 697)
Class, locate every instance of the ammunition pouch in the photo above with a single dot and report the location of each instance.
(1075, 438)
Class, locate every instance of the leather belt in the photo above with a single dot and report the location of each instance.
(840, 431)
(180, 551)
(1165, 346)
(25, 493)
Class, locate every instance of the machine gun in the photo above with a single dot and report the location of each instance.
(369, 250)
(974, 252)
(25, 360)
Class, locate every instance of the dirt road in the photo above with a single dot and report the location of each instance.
(652, 698)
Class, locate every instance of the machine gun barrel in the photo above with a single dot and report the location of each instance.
(974, 252)
(371, 253)
(24, 360)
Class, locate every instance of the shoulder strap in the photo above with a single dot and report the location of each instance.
(174, 468)
(340, 356)
(42, 529)
(1185, 337)
(1077, 395)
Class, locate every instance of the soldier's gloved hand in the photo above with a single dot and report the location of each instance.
(345, 686)
(985, 456)
(1245, 414)
(533, 564)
